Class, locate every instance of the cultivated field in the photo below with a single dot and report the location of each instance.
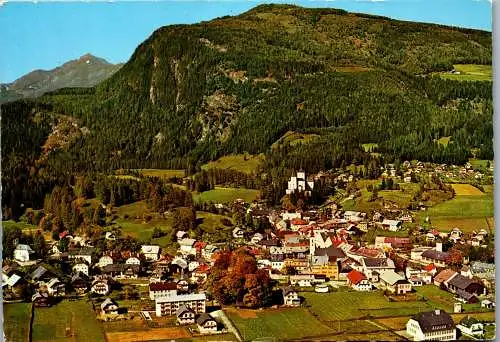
(480, 164)
(148, 335)
(466, 190)
(50, 324)
(239, 162)
(467, 212)
(344, 305)
(226, 195)
(402, 197)
(470, 72)
(279, 324)
(17, 321)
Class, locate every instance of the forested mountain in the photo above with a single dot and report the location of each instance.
(86, 71)
(191, 93)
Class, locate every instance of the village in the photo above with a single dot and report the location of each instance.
(314, 258)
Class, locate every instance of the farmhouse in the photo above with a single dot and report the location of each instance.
(151, 252)
(121, 270)
(81, 266)
(354, 216)
(109, 306)
(41, 299)
(187, 246)
(290, 297)
(56, 288)
(459, 282)
(84, 253)
(392, 225)
(394, 282)
(13, 287)
(206, 323)
(185, 315)
(41, 273)
(416, 253)
(168, 305)
(471, 326)
(444, 277)
(358, 281)
(238, 233)
(105, 260)
(372, 267)
(383, 242)
(100, 286)
(80, 283)
(436, 257)
(23, 253)
(432, 325)
(133, 261)
(302, 280)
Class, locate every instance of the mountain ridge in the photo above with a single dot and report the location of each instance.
(85, 71)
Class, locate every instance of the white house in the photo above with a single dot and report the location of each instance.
(105, 260)
(206, 323)
(109, 306)
(238, 233)
(256, 238)
(81, 267)
(431, 325)
(100, 286)
(290, 297)
(208, 251)
(302, 280)
(392, 225)
(133, 261)
(187, 246)
(471, 326)
(354, 216)
(151, 252)
(110, 236)
(192, 265)
(290, 216)
(23, 252)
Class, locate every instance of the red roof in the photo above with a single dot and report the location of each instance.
(397, 240)
(429, 267)
(162, 286)
(199, 245)
(355, 277)
(367, 252)
(297, 221)
(435, 232)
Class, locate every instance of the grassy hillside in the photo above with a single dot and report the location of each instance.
(243, 163)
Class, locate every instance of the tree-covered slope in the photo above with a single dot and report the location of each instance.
(191, 93)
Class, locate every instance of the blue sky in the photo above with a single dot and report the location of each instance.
(46, 34)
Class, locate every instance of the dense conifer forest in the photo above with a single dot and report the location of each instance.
(193, 93)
